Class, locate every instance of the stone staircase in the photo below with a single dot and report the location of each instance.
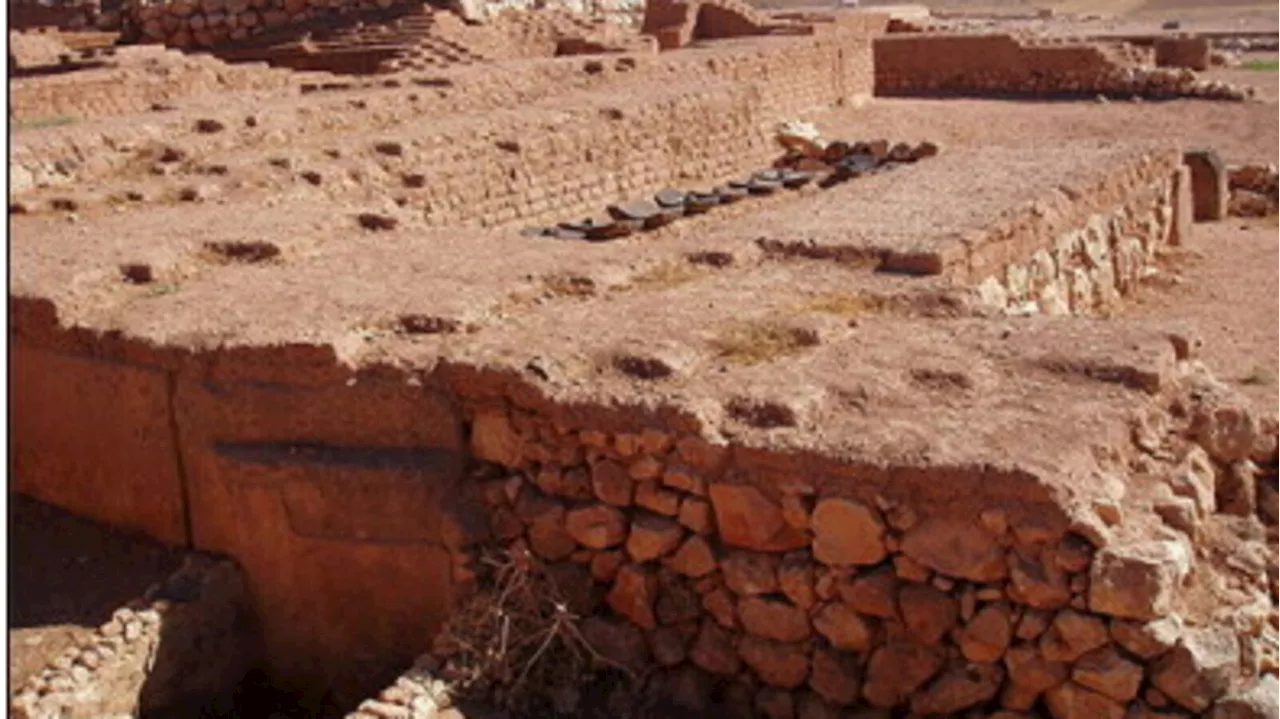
(369, 43)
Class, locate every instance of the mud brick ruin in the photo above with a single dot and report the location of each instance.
(845, 427)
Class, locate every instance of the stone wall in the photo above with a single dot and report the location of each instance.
(783, 586)
(1082, 254)
(908, 64)
(178, 651)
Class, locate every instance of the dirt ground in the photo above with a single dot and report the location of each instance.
(1224, 288)
(66, 576)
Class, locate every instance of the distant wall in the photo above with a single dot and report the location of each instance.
(26, 14)
(906, 62)
(913, 64)
(716, 122)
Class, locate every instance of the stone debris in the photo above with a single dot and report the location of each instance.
(1254, 190)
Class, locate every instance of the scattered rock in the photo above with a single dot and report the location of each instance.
(928, 613)
(596, 526)
(1137, 581)
(748, 519)
(1199, 669)
(1030, 674)
(618, 642)
(713, 650)
(1072, 701)
(955, 547)
(209, 126)
(1147, 640)
(958, 688)
(847, 533)
(1106, 672)
(835, 676)
(653, 537)
(1259, 701)
(986, 637)
(844, 628)
(785, 666)
(897, 670)
(773, 619)
(633, 594)
(694, 558)
(375, 222)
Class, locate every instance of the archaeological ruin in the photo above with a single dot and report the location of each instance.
(628, 360)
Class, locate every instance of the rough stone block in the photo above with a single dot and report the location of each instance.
(1137, 581)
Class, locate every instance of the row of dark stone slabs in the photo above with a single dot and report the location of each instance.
(839, 162)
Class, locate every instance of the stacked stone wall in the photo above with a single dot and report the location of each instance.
(784, 586)
(179, 650)
(1084, 249)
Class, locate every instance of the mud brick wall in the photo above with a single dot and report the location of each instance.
(908, 64)
(1080, 250)
(791, 586)
(633, 141)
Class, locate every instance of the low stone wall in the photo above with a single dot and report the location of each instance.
(1085, 248)
(908, 64)
(178, 651)
(762, 585)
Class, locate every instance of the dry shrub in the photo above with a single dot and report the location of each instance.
(761, 341)
(515, 643)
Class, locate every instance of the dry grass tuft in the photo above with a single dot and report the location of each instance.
(515, 642)
(1262, 65)
(37, 123)
(1260, 376)
(666, 274)
(846, 304)
(569, 286)
(755, 342)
